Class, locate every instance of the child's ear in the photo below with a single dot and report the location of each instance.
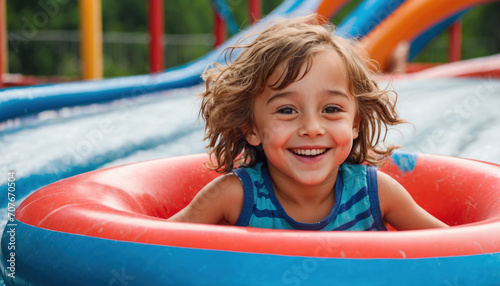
(355, 127)
(251, 135)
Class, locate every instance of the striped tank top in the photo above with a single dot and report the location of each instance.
(356, 201)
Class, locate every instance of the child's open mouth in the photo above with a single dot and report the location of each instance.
(309, 152)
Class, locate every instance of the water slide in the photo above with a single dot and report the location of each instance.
(41, 165)
(411, 19)
(56, 155)
(19, 101)
(16, 102)
(88, 136)
(421, 41)
(368, 14)
(223, 10)
(53, 165)
(408, 21)
(22, 101)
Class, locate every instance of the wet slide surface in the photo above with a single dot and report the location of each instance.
(450, 116)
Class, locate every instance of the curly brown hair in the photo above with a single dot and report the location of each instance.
(227, 103)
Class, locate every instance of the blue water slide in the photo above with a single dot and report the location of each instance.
(225, 12)
(421, 41)
(367, 15)
(15, 102)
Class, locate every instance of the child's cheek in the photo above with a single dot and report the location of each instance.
(341, 134)
(273, 131)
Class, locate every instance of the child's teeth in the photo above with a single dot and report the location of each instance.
(309, 152)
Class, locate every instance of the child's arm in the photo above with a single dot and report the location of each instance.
(399, 209)
(219, 202)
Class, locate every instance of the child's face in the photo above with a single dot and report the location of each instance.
(307, 129)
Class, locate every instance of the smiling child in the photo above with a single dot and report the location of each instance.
(296, 124)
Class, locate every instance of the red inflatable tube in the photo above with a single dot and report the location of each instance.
(131, 203)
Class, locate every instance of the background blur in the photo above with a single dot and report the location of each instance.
(51, 47)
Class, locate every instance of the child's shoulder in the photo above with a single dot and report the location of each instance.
(398, 207)
(391, 193)
(227, 184)
(224, 193)
(220, 201)
(388, 185)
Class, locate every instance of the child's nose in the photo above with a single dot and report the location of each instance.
(311, 126)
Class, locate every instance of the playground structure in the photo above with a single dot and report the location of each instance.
(384, 35)
(91, 34)
(91, 29)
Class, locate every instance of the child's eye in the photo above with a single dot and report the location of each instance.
(332, 109)
(286, 110)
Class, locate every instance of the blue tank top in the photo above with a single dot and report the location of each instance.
(356, 201)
